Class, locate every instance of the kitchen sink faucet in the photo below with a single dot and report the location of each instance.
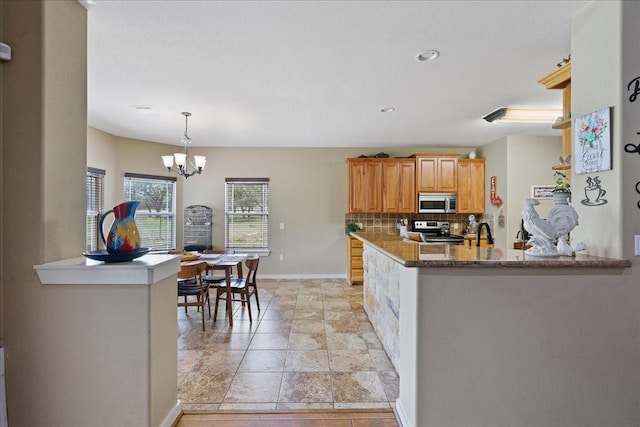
(489, 238)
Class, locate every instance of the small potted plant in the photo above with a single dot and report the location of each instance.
(562, 190)
(352, 227)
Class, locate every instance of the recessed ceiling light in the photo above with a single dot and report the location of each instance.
(145, 109)
(428, 55)
(388, 109)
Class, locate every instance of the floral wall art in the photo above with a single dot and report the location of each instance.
(592, 142)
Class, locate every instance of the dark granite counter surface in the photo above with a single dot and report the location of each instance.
(413, 254)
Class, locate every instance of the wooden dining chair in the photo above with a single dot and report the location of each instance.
(190, 284)
(241, 288)
(252, 265)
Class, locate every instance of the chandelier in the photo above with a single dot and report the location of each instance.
(182, 159)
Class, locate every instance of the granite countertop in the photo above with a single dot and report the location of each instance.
(413, 254)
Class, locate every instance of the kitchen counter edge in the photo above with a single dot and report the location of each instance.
(403, 252)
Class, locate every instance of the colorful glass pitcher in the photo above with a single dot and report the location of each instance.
(123, 236)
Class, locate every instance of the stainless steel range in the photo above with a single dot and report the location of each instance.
(436, 232)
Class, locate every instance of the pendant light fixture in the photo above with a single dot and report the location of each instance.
(182, 159)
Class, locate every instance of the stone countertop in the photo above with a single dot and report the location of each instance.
(413, 254)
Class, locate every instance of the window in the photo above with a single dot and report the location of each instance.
(95, 201)
(156, 214)
(247, 213)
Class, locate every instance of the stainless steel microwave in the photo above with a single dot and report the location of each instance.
(437, 203)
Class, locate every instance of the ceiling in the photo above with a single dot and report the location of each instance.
(317, 73)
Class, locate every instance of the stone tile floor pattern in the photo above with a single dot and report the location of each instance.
(310, 347)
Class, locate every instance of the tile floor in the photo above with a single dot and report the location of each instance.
(310, 347)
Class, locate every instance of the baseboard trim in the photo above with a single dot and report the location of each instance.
(302, 276)
(173, 416)
(3, 392)
(401, 415)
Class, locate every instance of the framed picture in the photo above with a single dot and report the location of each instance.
(592, 142)
(542, 191)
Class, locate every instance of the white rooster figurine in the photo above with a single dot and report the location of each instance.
(562, 219)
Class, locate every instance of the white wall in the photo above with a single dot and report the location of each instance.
(101, 154)
(43, 196)
(595, 84)
(524, 347)
(518, 162)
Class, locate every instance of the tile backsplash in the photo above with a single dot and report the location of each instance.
(386, 223)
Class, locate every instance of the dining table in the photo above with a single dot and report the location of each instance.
(226, 262)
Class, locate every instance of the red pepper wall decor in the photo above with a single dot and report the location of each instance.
(495, 199)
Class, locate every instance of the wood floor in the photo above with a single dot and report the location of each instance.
(303, 418)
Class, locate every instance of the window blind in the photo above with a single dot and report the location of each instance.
(247, 213)
(95, 200)
(156, 214)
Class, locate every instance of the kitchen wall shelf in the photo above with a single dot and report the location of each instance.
(560, 79)
(562, 125)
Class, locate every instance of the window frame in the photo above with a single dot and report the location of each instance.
(263, 247)
(170, 213)
(94, 198)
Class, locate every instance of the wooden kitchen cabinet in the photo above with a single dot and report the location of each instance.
(470, 186)
(365, 185)
(382, 185)
(398, 186)
(436, 173)
(355, 269)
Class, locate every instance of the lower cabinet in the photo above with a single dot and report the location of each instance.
(471, 242)
(355, 269)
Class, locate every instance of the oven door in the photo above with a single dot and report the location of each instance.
(444, 240)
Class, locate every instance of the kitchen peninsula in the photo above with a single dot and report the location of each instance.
(488, 336)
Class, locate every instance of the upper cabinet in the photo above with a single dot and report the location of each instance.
(398, 186)
(436, 173)
(561, 79)
(386, 185)
(381, 185)
(470, 186)
(365, 185)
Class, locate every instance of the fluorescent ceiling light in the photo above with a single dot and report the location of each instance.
(523, 115)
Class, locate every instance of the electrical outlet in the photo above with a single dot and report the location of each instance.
(281, 257)
(282, 226)
(637, 242)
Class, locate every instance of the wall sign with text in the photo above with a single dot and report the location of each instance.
(592, 142)
(495, 199)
